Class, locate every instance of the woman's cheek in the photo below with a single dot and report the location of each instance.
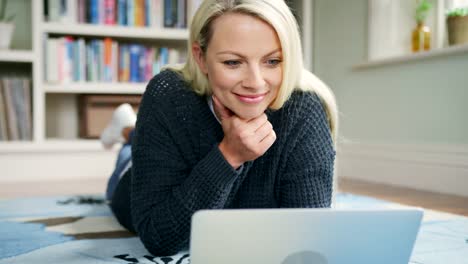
(226, 80)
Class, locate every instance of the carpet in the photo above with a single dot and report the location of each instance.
(81, 229)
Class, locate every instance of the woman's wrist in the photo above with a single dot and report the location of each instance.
(229, 157)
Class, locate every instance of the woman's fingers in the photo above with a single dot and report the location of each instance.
(263, 131)
(244, 140)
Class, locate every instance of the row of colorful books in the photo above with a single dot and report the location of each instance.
(15, 109)
(104, 60)
(140, 13)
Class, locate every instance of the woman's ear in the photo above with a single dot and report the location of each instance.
(199, 57)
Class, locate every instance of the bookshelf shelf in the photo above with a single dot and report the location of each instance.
(115, 31)
(16, 56)
(53, 145)
(95, 88)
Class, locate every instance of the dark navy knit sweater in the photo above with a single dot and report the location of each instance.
(179, 169)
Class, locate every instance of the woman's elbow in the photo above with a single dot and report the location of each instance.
(167, 247)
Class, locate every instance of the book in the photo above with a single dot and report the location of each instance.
(27, 106)
(109, 12)
(124, 63)
(82, 7)
(131, 13)
(19, 105)
(139, 13)
(82, 59)
(115, 62)
(157, 13)
(93, 11)
(170, 13)
(12, 123)
(3, 117)
(122, 12)
(67, 60)
(181, 13)
(107, 60)
(134, 62)
(52, 74)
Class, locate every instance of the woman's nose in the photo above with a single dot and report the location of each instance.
(254, 78)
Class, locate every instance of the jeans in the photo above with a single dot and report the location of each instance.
(123, 159)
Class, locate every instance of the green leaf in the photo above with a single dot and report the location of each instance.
(457, 12)
(422, 10)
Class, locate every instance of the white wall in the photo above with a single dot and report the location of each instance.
(411, 106)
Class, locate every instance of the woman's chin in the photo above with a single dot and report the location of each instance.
(248, 115)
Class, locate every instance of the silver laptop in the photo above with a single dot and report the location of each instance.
(304, 236)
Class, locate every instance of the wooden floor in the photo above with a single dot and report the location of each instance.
(436, 201)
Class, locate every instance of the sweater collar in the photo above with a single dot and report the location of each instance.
(209, 99)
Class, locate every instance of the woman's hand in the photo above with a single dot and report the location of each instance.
(244, 140)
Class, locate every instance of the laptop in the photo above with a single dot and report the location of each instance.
(304, 236)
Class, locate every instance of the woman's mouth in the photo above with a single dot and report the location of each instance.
(251, 98)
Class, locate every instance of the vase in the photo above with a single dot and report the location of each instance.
(6, 31)
(457, 28)
(421, 38)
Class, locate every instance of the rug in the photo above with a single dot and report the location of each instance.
(81, 229)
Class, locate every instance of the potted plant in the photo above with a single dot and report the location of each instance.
(6, 26)
(457, 26)
(421, 37)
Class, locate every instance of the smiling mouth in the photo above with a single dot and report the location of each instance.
(251, 98)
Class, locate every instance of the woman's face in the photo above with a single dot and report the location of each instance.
(243, 63)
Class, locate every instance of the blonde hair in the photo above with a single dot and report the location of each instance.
(279, 16)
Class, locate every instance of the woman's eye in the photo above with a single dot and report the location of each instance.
(273, 62)
(231, 63)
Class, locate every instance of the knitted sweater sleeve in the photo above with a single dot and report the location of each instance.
(307, 181)
(165, 190)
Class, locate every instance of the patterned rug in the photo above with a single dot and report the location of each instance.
(81, 229)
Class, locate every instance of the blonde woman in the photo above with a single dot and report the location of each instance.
(240, 125)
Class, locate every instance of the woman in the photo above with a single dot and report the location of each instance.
(240, 125)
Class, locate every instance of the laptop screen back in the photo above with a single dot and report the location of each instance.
(300, 236)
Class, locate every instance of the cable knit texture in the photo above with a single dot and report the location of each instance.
(179, 169)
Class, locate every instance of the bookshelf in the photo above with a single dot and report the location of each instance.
(55, 115)
(60, 100)
(51, 97)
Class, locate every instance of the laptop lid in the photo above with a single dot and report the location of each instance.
(300, 236)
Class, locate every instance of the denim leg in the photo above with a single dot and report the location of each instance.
(124, 157)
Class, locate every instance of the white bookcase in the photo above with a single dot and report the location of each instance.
(56, 152)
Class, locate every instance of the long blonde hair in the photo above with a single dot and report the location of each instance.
(279, 16)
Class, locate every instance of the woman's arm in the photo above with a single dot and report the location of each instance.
(307, 181)
(165, 189)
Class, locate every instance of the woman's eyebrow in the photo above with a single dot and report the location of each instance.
(243, 56)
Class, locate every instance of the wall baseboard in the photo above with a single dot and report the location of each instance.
(436, 168)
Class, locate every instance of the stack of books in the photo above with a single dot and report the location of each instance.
(104, 60)
(138, 13)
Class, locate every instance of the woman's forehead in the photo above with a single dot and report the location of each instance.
(241, 31)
